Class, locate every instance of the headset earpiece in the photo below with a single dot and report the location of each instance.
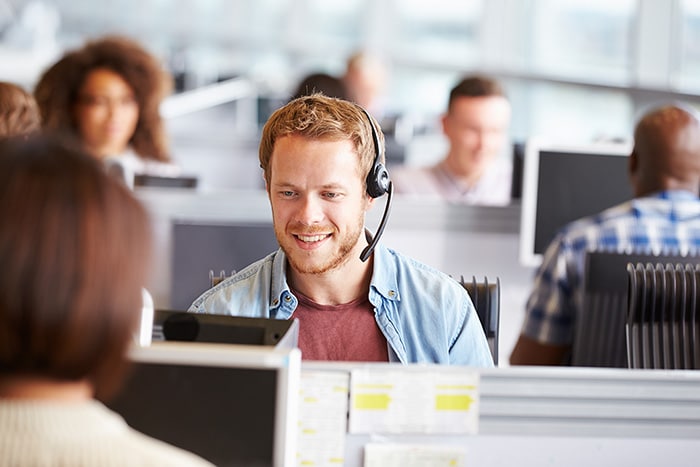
(378, 184)
(378, 177)
(377, 180)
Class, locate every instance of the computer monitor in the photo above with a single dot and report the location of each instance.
(564, 183)
(183, 181)
(200, 247)
(231, 404)
(518, 161)
(172, 325)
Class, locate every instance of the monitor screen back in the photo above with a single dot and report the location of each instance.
(224, 414)
(173, 325)
(565, 185)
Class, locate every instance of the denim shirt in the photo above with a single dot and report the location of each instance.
(425, 315)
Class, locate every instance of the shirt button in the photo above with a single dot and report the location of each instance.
(287, 298)
(392, 294)
(275, 302)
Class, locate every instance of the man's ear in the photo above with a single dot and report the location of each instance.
(369, 202)
(632, 163)
(632, 170)
(445, 124)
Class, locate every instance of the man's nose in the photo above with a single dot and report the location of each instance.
(310, 210)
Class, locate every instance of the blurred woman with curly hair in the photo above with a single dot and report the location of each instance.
(107, 94)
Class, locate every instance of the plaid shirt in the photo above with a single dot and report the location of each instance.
(665, 223)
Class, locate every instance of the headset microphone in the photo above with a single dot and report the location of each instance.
(378, 183)
(385, 217)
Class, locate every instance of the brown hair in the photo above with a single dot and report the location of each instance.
(323, 83)
(73, 254)
(320, 117)
(19, 114)
(475, 86)
(58, 88)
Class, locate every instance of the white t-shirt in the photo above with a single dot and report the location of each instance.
(493, 188)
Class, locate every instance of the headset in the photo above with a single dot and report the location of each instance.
(378, 184)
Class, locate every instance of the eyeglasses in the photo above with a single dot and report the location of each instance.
(106, 101)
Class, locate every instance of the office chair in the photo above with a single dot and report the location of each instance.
(214, 279)
(663, 316)
(486, 299)
(599, 338)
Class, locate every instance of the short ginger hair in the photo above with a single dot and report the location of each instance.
(323, 118)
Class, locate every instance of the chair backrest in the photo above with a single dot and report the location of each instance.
(486, 297)
(664, 316)
(599, 338)
(216, 279)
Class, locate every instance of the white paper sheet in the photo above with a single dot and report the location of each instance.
(406, 455)
(323, 407)
(427, 401)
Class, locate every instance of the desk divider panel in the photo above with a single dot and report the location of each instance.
(526, 416)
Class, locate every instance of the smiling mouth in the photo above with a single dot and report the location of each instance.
(312, 238)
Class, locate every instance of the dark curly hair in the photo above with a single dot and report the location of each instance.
(57, 91)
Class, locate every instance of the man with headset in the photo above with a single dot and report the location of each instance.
(355, 299)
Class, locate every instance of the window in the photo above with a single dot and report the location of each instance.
(438, 30)
(584, 39)
(689, 72)
(571, 114)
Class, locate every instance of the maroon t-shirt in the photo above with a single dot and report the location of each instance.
(345, 332)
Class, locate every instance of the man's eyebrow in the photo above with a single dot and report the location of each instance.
(325, 186)
(333, 186)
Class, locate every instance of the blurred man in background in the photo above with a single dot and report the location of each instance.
(476, 125)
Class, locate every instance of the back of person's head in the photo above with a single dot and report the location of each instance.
(58, 91)
(19, 114)
(666, 152)
(74, 251)
(365, 78)
(323, 83)
(476, 86)
(320, 117)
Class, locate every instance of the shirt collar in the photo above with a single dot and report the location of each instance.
(675, 195)
(384, 279)
(279, 289)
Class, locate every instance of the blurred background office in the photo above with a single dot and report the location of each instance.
(576, 70)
